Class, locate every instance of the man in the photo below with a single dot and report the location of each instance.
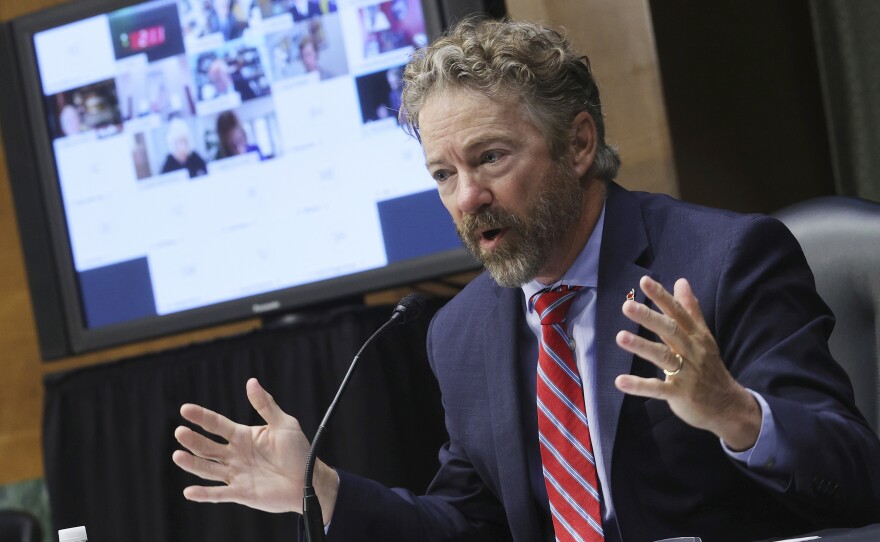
(222, 81)
(726, 419)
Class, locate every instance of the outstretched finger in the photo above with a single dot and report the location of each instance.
(667, 303)
(199, 445)
(203, 468)
(211, 494)
(657, 353)
(685, 296)
(264, 403)
(643, 387)
(209, 420)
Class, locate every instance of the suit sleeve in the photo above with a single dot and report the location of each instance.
(367, 510)
(458, 505)
(772, 328)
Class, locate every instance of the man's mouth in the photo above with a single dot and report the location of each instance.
(491, 234)
(491, 237)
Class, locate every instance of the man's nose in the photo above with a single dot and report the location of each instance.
(473, 194)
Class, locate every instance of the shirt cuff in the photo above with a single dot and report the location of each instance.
(763, 454)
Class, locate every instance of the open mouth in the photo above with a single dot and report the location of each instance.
(489, 239)
(490, 235)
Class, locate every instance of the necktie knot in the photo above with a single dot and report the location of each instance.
(552, 304)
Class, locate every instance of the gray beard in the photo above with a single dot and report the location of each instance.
(530, 238)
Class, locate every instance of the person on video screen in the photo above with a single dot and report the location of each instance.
(233, 138)
(390, 107)
(70, 121)
(181, 154)
(222, 17)
(222, 80)
(308, 53)
(304, 9)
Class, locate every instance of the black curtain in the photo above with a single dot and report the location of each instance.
(744, 102)
(108, 429)
(849, 63)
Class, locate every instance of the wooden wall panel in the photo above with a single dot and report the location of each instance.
(20, 387)
(20, 366)
(618, 38)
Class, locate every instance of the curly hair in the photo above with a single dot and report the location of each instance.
(531, 64)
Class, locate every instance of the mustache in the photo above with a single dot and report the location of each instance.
(489, 218)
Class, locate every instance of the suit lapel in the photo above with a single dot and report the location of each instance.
(623, 242)
(504, 375)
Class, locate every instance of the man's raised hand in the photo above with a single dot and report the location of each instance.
(259, 466)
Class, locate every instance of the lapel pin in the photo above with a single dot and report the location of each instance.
(631, 296)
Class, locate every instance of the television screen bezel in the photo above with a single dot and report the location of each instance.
(43, 229)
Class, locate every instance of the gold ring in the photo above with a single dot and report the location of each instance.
(680, 365)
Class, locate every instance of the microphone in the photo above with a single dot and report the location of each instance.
(408, 309)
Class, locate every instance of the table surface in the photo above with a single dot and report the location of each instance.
(863, 534)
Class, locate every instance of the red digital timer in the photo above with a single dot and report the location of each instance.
(138, 40)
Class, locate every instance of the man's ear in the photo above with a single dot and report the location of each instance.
(583, 144)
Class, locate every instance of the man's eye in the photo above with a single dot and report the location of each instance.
(441, 176)
(490, 157)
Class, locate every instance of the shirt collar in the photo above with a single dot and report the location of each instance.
(583, 272)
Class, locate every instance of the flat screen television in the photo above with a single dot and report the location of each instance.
(177, 164)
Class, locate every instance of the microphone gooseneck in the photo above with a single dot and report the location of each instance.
(408, 309)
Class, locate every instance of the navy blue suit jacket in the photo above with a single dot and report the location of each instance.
(668, 479)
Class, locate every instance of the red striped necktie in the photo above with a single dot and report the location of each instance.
(566, 450)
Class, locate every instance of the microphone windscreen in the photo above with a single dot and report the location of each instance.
(409, 308)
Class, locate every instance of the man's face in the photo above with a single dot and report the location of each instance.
(511, 202)
(219, 76)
